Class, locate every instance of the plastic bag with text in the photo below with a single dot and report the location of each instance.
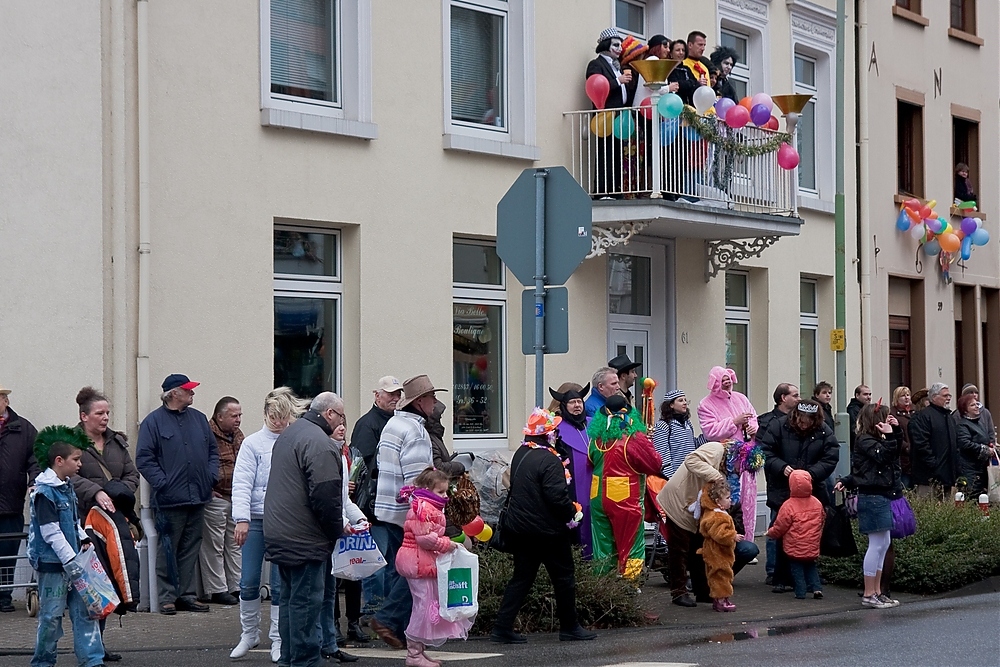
(94, 586)
(356, 557)
(458, 584)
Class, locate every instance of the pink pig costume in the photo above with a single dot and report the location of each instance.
(717, 410)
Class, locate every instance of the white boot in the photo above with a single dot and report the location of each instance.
(273, 634)
(250, 622)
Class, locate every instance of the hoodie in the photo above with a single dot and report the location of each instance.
(717, 410)
(799, 523)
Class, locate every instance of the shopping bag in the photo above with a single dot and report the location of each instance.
(838, 536)
(458, 584)
(904, 523)
(357, 556)
(993, 479)
(93, 584)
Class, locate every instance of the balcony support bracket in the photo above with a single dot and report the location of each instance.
(604, 238)
(722, 255)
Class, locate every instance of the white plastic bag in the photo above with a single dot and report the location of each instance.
(93, 584)
(458, 584)
(357, 556)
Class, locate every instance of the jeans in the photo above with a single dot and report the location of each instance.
(373, 587)
(55, 595)
(771, 547)
(395, 612)
(529, 552)
(179, 545)
(805, 576)
(9, 523)
(253, 564)
(328, 626)
(219, 555)
(298, 624)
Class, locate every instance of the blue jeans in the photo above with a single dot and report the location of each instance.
(771, 547)
(298, 624)
(395, 613)
(373, 587)
(55, 595)
(805, 576)
(328, 619)
(253, 564)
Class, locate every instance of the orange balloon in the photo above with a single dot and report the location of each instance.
(746, 103)
(949, 242)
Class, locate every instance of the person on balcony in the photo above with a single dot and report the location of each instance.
(609, 150)
(725, 59)
(963, 186)
(685, 79)
(634, 176)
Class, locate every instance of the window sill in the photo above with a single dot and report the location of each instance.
(816, 204)
(461, 142)
(913, 17)
(963, 36)
(957, 213)
(311, 122)
(900, 198)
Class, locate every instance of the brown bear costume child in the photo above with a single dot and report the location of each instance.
(719, 549)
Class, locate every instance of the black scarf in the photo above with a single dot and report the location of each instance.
(579, 422)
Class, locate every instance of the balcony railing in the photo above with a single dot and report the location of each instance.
(613, 157)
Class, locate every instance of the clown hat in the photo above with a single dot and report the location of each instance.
(541, 422)
(632, 48)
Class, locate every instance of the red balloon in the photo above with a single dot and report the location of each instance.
(647, 108)
(474, 527)
(772, 124)
(737, 117)
(598, 89)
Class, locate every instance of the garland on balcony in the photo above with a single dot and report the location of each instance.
(735, 144)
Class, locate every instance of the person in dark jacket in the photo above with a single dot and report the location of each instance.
(537, 525)
(17, 468)
(607, 173)
(800, 441)
(786, 397)
(823, 394)
(975, 447)
(933, 444)
(902, 410)
(985, 418)
(442, 457)
(862, 397)
(725, 59)
(178, 456)
(303, 518)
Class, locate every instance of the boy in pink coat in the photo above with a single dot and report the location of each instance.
(726, 414)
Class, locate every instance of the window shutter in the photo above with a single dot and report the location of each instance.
(478, 79)
(302, 50)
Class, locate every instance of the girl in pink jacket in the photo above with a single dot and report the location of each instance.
(726, 414)
(423, 540)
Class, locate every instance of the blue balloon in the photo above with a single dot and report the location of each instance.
(691, 134)
(932, 247)
(670, 105)
(623, 126)
(668, 131)
(980, 236)
(902, 221)
(966, 247)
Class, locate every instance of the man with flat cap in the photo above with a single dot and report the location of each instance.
(179, 457)
(626, 375)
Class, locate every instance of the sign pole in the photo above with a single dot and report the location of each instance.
(540, 176)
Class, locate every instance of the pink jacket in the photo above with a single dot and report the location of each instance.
(717, 410)
(423, 540)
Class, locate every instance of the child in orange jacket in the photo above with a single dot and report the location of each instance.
(799, 526)
(719, 548)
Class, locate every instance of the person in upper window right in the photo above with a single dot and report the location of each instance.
(963, 186)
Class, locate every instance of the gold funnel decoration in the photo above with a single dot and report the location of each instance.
(655, 71)
(791, 103)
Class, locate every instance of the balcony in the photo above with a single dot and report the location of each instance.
(700, 190)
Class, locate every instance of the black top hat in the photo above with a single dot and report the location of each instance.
(623, 364)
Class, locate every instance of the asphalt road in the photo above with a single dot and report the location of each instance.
(934, 633)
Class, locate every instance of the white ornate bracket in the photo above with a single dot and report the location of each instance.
(603, 238)
(722, 255)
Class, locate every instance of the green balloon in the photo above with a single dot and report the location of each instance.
(624, 125)
(670, 105)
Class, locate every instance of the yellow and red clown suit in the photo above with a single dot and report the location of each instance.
(622, 456)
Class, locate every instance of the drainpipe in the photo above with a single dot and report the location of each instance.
(864, 210)
(843, 420)
(142, 348)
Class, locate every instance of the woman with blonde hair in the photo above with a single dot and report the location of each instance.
(253, 466)
(902, 410)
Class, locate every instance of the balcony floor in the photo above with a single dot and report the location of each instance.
(675, 219)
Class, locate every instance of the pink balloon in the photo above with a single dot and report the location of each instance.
(762, 98)
(788, 157)
(598, 89)
(737, 117)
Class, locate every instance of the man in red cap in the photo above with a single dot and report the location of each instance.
(178, 456)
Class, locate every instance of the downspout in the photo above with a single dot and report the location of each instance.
(840, 243)
(142, 347)
(865, 240)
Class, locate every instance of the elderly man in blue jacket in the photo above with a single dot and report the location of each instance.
(178, 456)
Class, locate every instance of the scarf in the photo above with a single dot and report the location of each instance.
(414, 494)
(528, 442)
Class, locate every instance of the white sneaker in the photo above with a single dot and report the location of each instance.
(888, 600)
(874, 602)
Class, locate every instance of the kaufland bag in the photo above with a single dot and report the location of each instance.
(94, 585)
(458, 584)
(356, 557)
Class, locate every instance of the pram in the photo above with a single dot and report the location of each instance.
(656, 531)
(9, 569)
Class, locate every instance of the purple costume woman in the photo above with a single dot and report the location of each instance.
(573, 444)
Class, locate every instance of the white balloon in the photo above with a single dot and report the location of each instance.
(704, 98)
(918, 231)
(979, 223)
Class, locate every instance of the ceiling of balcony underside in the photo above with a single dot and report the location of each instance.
(668, 219)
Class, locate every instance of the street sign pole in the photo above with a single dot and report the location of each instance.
(540, 176)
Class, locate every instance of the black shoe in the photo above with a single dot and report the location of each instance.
(339, 655)
(190, 603)
(684, 601)
(112, 657)
(577, 634)
(6, 606)
(356, 634)
(780, 588)
(508, 637)
(769, 581)
(224, 598)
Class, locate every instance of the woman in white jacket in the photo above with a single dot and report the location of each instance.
(253, 465)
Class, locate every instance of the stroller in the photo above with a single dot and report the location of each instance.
(8, 570)
(656, 531)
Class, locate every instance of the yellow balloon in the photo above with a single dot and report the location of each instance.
(485, 534)
(602, 123)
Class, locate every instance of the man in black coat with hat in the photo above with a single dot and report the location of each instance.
(627, 374)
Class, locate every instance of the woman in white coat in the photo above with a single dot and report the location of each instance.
(253, 466)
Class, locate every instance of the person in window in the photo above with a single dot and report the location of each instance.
(725, 59)
(609, 150)
(963, 186)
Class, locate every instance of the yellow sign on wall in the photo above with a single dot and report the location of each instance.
(838, 340)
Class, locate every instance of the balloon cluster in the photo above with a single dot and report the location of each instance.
(936, 233)
(476, 528)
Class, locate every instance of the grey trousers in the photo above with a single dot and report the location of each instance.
(177, 554)
(220, 557)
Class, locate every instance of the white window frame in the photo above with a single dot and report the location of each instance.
(291, 285)
(810, 321)
(749, 18)
(741, 71)
(802, 87)
(352, 114)
(741, 315)
(486, 295)
(518, 139)
(814, 36)
(645, 18)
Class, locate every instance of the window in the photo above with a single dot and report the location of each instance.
(478, 335)
(808, 334)
(489, 74)
(738, 325)
(912, 5)
(963, 15)
(307, 307)
(805, 82)
(899, 352)
(630, 17)
(909, 148)
(316, 66)
(629, 285)
(965, 149)
(740, 76)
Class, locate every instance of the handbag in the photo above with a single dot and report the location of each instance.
(904, 522)
(356, 557)
(458, 584)
(838, 536)
(499, 539)
(993, 479)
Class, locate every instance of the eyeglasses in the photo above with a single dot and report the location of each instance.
(342, 416)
